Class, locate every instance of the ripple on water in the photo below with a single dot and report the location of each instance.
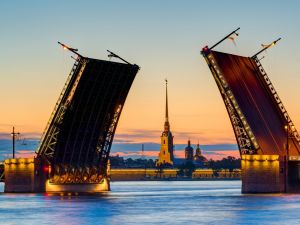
(153, 202)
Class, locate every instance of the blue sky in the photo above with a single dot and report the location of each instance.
(164, 38)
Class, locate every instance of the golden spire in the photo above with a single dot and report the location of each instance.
(167, 125)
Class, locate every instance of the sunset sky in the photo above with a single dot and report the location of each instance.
(164, 38)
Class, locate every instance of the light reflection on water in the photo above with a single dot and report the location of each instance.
(153, 202)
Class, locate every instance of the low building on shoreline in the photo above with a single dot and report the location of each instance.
(172, 174)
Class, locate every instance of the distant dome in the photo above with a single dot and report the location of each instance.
(200, 158)
(189, 147)
(198, 150)
(189, 151)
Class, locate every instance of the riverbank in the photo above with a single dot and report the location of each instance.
(171, 174)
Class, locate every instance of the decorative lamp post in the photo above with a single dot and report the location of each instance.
(289, 129)
(14, 135)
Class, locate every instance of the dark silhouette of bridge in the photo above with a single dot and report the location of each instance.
(74, 149)
(80, 132)
(76, 143)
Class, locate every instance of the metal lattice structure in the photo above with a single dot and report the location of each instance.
(49, 137)
(78, 137)
(282, 111)
(256, 112)
(243, 133)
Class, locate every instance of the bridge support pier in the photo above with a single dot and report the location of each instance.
(103, 186)
(293, 180)
(31, 175)
(262, 174)
(270, 174)
(23, 175)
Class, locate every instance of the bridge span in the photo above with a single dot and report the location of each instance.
(268, 141)
(75, 146)
(74, 150)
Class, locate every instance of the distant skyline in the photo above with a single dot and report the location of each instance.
(164, 38)
(129, 150)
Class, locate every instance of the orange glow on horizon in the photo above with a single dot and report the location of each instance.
(218, 154)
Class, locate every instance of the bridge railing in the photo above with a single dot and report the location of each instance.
(278, 101)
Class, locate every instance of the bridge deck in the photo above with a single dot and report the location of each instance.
(256, 103)
(102, 89)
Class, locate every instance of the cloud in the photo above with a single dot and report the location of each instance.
(139, 136)
(134, 150)
(26, 135)
(134, 154)
(25, 154)
(5, 135)
(219, 154)
(124, 148)
(134, 146)
(23, 148)
(121, 141)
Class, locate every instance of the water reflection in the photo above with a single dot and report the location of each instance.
(147, 202)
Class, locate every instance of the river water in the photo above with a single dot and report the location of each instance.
(153, 202)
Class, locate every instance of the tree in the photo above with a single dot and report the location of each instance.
(229, 163)
(186, 169)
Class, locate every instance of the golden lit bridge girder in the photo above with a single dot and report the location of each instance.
(243, 133)
(256, 112)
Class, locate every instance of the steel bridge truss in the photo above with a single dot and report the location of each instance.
(91, 174)
(49, 137)
(293, 133)
(246, 140)
(78, 137)
(103, 147)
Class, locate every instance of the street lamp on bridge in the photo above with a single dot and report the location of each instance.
(289, 129)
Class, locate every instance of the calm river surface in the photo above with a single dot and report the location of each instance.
(153, 202)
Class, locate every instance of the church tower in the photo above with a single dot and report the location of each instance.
(166, 156)
(189, 152)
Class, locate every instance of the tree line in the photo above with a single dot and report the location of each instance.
(229, 163)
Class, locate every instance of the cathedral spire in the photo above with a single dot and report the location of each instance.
(166, 154)
(167, 125)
